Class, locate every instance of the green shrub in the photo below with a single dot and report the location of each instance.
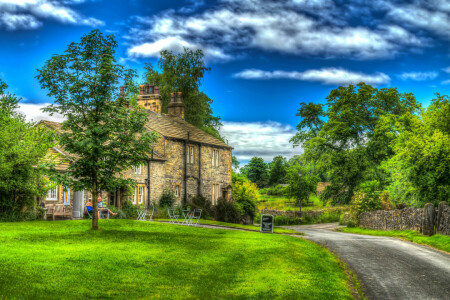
(277, 190)
(202, 203)
(226, 211)
(245, 195)
(130, 211)
(167, 198)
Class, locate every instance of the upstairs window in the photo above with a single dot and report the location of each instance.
(215, 158)
(138, 170)
(190, 154)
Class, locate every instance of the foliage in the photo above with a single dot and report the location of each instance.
(167, 198)
(184, 73)
(202, 203)
(327, 217)
(277, 170)
(441, 242)
(226, 211)
(245, 194)
(49, 252)
(22, 147)
(342, 135)
(256, 171)
(302, 182)
(369, 198)
(420, 167)
(237, 177)
(102, 136)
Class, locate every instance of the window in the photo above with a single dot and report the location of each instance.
(177, 191)
(138, 170)
(52, 194)
(215, 158)
(141, 194)
(190, 155)
(215, 193)
(66, 196)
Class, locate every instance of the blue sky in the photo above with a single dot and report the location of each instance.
(266, 56)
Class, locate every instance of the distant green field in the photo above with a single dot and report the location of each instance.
(441, 242)
(280, 203)
(131, 259)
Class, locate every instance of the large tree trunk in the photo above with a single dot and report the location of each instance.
(94, 207)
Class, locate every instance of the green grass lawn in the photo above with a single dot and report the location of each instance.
(241, 226)
(441, 242)
(131, 259)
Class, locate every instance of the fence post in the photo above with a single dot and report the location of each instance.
(441, 207)
(428, 219)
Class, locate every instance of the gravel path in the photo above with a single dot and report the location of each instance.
(389, 268)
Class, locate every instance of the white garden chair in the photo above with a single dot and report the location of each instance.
(196, 215)
(173, 216)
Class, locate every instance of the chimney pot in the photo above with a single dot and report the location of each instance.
(141, 92)
(156, 90)
(172, 97)
(179, 97)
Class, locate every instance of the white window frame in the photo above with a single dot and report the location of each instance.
(66, 200)
(177, 191)
(190, 154)
(138, 170)
(135, 196)
(52, 194)
(215, 158)
(215, 193)
(141, 194)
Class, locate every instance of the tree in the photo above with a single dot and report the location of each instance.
(184, 73)
(22, 147)
(235, 163)
(420, 167)
(342, 137)
(257, 171)
(302, 183)
(102, 135)
(277, 170)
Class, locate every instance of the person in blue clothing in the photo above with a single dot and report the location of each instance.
(90, 207)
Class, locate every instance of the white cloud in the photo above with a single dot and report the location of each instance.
(418, 76)
(33, 112)
(332, 76)
(174, 44)
(429, 18)
(446, 81)
(263, 139)
(27, 14)
(285, 27)
(446, 70)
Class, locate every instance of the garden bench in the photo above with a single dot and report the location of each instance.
(60, 210)
(49, 210)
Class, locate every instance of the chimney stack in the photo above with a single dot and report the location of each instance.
(149, 98)
(176, 105)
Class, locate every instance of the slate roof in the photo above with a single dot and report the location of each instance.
(175, 127)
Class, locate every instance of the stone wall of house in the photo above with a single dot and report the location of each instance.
(397, 219)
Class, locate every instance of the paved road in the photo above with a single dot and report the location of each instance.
(389, 268)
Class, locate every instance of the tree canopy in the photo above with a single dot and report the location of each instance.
(341, 135)
(256, 171)
(277, 170)
(184, 73)
(22, 147)
(103, 136)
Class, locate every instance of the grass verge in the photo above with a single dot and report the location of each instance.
(441, 242)
(131, 259)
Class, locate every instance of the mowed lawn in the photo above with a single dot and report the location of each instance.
(132, 259)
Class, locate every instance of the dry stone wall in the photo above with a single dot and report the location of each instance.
(427, 220)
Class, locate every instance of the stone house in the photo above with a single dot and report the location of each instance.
(185, 159)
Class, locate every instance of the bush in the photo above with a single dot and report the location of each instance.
(246, 195)
(130, 211)
(226, 211)
(167, 198)
(202, 203)
(366, 199)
